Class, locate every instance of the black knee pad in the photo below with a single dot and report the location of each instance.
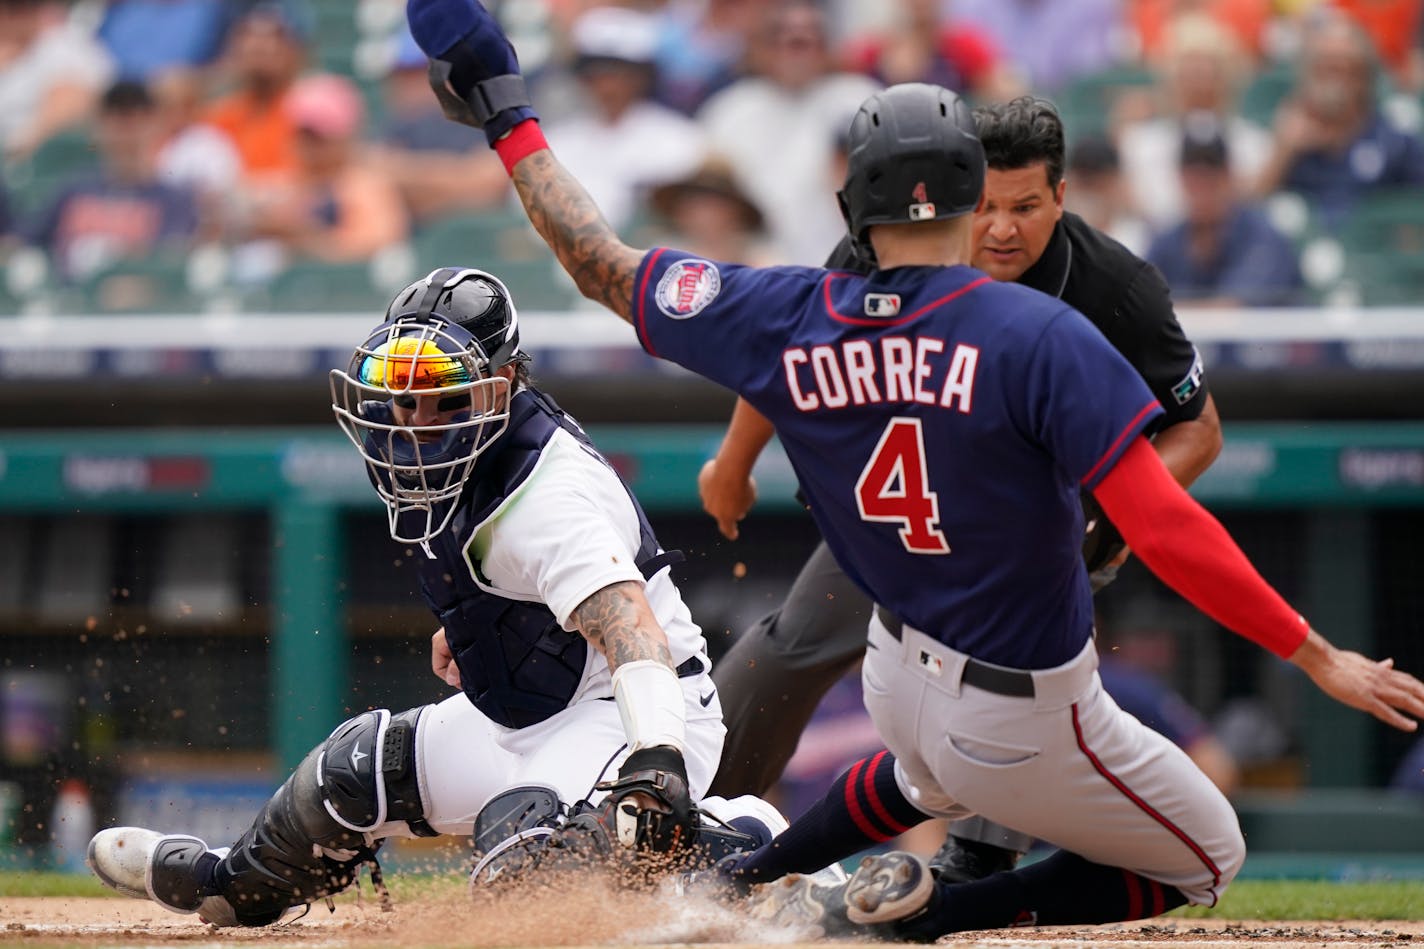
(313, 836)
(367, 773)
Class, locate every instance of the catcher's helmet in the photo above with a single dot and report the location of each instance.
(473, 300)
(912, 155)
(442, 341)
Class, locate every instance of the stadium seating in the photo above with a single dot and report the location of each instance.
(1383, 239)
(33, 182)
(140, 285)
(502, 242)
(1087, 103)
(310, 286)
(1265, 92)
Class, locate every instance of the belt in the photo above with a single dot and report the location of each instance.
(689, 667)
(997, 679)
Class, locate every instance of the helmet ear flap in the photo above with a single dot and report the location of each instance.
(861, 245)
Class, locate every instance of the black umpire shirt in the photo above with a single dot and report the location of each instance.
(1127, 299)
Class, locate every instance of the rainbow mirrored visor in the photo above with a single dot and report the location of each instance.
(414, 366)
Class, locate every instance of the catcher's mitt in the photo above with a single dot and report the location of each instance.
(648, 809)
(1102, 542)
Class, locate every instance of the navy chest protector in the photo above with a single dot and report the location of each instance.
(517, 664)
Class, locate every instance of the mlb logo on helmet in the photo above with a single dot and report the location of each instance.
(688, 287)
(923, 209)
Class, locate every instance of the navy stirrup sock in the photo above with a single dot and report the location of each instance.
(1061, 890)
(864, 807)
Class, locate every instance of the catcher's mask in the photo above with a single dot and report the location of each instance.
(422, 396)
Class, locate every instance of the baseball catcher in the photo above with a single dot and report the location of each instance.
(587, 724)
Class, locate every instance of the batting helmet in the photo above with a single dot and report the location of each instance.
(913, 155)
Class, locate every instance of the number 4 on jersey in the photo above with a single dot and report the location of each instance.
(894, 487)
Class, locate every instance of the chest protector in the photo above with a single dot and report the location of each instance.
(517, 664)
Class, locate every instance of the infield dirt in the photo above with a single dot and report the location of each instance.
(587, 917)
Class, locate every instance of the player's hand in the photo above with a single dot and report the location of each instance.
(442, 661)
(726, 495)
(1368, 685)
(474, 71)
(649, 807)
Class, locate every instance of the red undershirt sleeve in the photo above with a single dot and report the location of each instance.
(1191, 552)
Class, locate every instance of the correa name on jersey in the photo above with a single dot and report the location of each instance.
(892, 369)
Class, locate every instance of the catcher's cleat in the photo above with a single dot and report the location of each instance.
(960, 860)
(888, 888)
(173, 870)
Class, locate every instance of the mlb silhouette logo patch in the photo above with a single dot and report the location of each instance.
(882, 304)
(687, 287)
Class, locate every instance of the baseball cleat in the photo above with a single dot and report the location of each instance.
(173, 870)
(119, 858)
(800, 901)
(960, 860)
(887, 888)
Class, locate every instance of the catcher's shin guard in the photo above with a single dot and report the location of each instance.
(314, 835)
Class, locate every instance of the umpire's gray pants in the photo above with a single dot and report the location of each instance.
(777, 672)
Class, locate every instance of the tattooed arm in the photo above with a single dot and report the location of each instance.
(573, 227)
(619, 623)
(476, 77)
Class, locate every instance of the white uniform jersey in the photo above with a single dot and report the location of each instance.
(568, 531)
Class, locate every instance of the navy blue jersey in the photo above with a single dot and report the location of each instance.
(940, 424)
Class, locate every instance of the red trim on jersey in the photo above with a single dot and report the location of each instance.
(874, 799)
(1134, 894)
(1143, 806)
(1191, 552)
(1129, 429)
(640, 304)
(858, 321)
(519, 143)
(857, 813)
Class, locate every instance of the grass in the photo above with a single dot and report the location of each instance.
(35, 883)
(1246, 899)
(1315, 900)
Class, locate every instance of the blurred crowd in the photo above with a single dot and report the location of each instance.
(1259, 152)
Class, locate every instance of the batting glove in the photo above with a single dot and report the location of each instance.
(473, 69)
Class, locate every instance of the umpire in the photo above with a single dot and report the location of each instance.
(776, 673)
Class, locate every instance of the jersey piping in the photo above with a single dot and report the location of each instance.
(1146, 808)
(649, 262)
(1115, 448)
(857, 321)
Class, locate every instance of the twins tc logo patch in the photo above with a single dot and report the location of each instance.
(687, 287)
(882, 304)
(1191, 383)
